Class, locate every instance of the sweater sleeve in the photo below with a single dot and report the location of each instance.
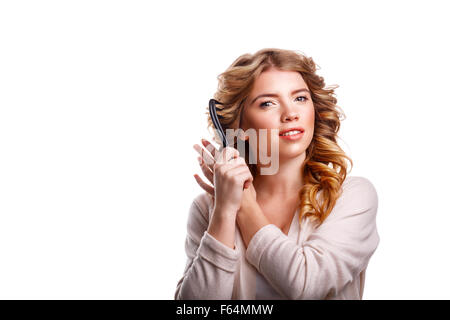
(331, 257)
(210, 266)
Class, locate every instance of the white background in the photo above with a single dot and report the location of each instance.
(101, 102)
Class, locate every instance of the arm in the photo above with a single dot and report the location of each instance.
(210, 266)
(223, 227)
(333, 255)
(250, 219)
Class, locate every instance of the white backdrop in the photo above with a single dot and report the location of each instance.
(102, 101)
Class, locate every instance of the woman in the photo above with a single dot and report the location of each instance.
(306, 231)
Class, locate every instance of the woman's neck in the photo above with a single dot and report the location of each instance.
(286, 182)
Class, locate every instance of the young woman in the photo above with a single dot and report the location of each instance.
(306, 231)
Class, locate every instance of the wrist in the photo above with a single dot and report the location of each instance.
(224, 213)
(248, 206)
(250, 213)
(222, 227)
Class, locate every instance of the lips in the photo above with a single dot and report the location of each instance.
(292, 129)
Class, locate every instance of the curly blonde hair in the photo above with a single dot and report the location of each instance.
(324, 168)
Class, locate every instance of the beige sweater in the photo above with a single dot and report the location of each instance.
(324, 262)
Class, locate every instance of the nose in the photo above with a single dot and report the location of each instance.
(290, 114)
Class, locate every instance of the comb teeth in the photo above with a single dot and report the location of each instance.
(215, 119)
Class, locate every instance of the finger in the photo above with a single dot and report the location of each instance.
(226, 154)
(233, 163)
(236, 168)
(245, 177)
(207, 171)
(243, 169)
(206, 156)
(239, 171)
(248, 182)
(204, 185)
(210, 147)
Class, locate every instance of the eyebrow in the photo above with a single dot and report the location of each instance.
(275, 95)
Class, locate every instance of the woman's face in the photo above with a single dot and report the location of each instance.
(275, 102)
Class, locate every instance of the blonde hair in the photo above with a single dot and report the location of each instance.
(324, 168)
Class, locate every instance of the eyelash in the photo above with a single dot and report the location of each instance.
(261, 105)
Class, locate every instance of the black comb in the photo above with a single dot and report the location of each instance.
(216, 122)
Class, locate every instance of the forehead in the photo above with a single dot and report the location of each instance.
(278, 80)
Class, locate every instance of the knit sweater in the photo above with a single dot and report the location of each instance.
(326, 261)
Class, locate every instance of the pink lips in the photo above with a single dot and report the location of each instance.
(293, 136)
(290, 129)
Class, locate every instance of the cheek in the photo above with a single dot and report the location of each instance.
(258, 122)
(264, 122)
(310, 116)
(309, 123)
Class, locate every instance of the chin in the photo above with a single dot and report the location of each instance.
(292, 152)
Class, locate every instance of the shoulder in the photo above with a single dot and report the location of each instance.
(358, 199)
(350, 231)
(359, 190)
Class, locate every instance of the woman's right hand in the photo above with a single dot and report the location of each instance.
(230, 174)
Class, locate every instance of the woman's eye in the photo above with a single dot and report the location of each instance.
(263, 104)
